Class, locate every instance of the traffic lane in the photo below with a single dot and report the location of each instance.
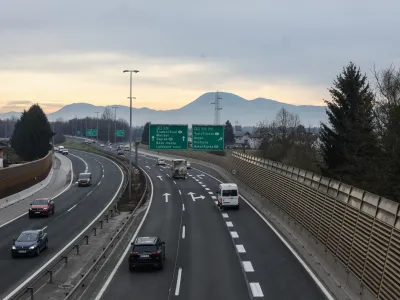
(163, 220)
(61, 203)
(210, 265)
(62, 229)
(275, 267)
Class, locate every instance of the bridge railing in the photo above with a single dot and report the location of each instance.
(358, 228)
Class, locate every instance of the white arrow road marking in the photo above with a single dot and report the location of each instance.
(166, 196)
(194, 198)
(147, 167)
(160, 177)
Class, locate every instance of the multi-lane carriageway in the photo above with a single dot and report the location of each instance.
(211, 254)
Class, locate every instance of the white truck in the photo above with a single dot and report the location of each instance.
(179, 168)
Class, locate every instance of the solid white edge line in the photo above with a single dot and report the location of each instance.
(86, 165)
(10, 295)
(183, 232)
(62, 192)
(178, 282)
(72, 208)
(288, 246)
(122, 258)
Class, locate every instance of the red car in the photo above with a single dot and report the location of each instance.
(41, 207)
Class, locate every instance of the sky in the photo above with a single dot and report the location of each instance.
(61, 52)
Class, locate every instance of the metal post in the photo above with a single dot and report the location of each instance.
(136, 154)
(130, 138)
(115, 124)
(97, 135)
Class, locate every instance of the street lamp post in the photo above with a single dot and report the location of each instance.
(97, 134)
(76, 125)
(115, 124)
(130, 130)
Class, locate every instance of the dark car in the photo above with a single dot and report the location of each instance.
(29, 243)
(147, 251)
(41, 207)
(84, 179)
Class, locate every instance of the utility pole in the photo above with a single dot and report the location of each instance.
(217, 108)
(130, 130)
(97, 135)
(115, 123)
(76, 125)
(108, 126)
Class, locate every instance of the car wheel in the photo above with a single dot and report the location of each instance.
(30, 216)
(37, 251)
(131, 269)
(237, 207)
(46, 245)
(161, 266)
(12, 255)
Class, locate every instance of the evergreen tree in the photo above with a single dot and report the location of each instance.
(32, 134)
(229, 136)
(145, 134)
(350, 145)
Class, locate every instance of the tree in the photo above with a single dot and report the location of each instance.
(32, 134)
(350, 144)
(145, 134)
(229, 136)
(387, 112)
(107, 114)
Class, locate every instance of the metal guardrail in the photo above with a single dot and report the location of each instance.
(358, 233)
(83, 239)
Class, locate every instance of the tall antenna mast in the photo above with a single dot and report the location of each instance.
(217, 108)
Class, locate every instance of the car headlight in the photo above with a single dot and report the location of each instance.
(13, 247)
(32, 247)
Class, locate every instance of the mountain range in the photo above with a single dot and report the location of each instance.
(200, 111)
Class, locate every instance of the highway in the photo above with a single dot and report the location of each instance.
(74, 210)
(211, 254)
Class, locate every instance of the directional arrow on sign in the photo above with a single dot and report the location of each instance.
(160, 177)
(166, 195)
(194, 198)
(183, 138)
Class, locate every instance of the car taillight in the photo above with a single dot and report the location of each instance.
(133, 254)
(156, 253)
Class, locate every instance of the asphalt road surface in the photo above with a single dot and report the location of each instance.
(74, 210)
(210, 254)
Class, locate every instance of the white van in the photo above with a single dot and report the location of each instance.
(228, 195)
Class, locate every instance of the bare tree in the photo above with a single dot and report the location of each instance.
(107, 114)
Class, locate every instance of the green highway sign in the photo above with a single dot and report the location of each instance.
(91, 132)
(120, 132)
(168, 137)
(208, 137)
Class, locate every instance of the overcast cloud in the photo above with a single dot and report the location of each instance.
(200, 44)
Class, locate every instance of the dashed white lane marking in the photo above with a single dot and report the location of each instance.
(147, 167)
(89, 193)
(229, 224)
(247, 266)
(210, 193)
(183, 207)
(204, 185)
(183, 232)
(213, 197)
(174, 182)
(240, 249)
(234, 234)
(200, 182)
(225, 216)
(207, 189)
(99, 183)
(180, 193)
(178, 282)
(256, 289)
(168, 175)
(71, 208)
(44, 228)
(190, 175)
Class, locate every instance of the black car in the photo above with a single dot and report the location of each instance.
(147, 251)
(29, 243)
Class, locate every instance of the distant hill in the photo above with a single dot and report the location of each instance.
(200, 111)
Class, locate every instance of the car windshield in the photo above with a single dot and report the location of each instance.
(27, 237)
(84, 176)
(39, 202)
(145, 248)
(229, 193)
